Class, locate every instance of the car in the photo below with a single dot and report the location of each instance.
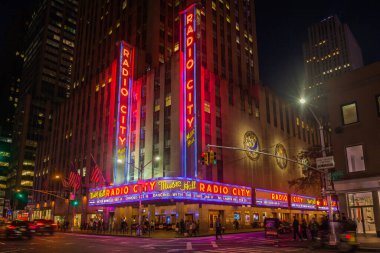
(45, 226)
(19, 229)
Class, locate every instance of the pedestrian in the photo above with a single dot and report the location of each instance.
(182, 226)
(296, 228)
(236, 224)
(197, 227)
(152, 225)
(218, 229)
(304, 229)
(313, 227)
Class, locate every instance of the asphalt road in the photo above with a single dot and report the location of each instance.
(82, 243)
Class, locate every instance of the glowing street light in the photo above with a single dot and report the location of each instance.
(302, 101)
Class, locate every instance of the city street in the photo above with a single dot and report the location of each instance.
(68, 242)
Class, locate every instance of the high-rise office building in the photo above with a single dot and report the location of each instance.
(45, 80)
(330, 50)
(162, 79)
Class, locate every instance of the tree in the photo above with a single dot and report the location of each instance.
(311, 179)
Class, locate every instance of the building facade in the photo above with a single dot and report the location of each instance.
(147, 102)
(45, 82)
(330, 50)
(354, 108)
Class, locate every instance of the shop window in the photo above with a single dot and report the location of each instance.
(349, 113)
(360, 199)
(355, 158)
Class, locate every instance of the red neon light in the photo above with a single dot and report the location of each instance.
(280, 197)
(126, 70)
(297, 199)
(189, 73)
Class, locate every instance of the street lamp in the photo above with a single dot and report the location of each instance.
(141, 171)
(325, 176)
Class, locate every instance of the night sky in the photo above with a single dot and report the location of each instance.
(281, 30)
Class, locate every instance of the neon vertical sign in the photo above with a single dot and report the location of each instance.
(190, 76)
(123, 110)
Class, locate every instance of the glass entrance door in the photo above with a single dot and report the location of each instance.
(364, 218)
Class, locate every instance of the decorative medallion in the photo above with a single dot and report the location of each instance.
(251, 142)
(281, 152)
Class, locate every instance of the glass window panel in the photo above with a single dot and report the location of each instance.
(349, 113)
(355, 158)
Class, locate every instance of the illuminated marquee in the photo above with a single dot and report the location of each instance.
(271, 198)
(322, 205)
(303, 202)
(123, 122)
(172, 189)
(190, 79)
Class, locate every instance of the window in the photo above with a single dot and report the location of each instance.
(378, 104)
(350, 114)
(355, 158)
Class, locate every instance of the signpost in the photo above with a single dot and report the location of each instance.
(325, 162)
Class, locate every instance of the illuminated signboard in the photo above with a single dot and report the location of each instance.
(123, 110)
(271, 198)
(303, 202)
(322, 205)
(190, 82)
(172, 188)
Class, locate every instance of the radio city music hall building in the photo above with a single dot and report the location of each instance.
(206, 91)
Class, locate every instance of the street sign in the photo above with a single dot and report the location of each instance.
(325, 162)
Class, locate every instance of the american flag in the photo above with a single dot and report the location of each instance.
(65, 183)
(74, 178)
(96, 174)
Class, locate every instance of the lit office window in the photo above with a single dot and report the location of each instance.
(350, 113)
(355, 158)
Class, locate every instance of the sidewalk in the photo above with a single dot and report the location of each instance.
(161, 234)
(369, 243)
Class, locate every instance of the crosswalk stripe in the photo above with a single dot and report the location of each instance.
(189, 246)
(214, 245)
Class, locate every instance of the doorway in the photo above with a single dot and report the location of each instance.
(364, 218)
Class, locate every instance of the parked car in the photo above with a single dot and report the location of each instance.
(19, 229)
(45, 226)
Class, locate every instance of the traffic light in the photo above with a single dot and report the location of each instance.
(204, 158)
(21, 196)
(212, 158)
(75, 202)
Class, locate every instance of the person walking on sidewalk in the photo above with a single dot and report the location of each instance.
(304, 229)
(296, 229)
(218, 229)
(313, 227)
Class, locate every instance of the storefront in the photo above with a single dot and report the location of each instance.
(360, 200)
(361, 210)
(166, 201)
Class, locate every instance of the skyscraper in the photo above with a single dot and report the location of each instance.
(45, 80)
(330, 50)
